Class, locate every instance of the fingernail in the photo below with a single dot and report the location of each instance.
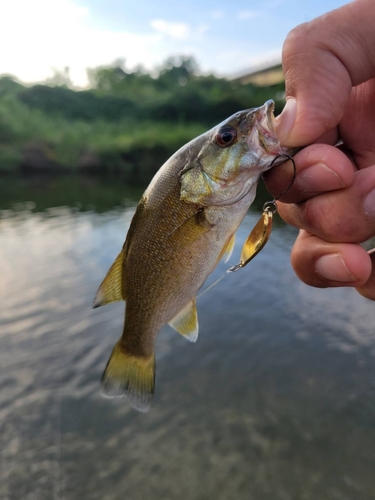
(333, 268)
(285, 121)
(369, 204)
(319, 178)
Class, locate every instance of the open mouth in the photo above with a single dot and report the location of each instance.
(267, 135)
(270, 107)
(265, 121)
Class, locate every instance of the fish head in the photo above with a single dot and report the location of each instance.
(228, 160)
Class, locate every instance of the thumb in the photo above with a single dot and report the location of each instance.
(322, 61)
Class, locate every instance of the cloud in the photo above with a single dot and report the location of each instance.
(38, 35)
(248, 14)
(173, 30)
(217, 14)
(201, 30)
(179, 31)
(60, 33)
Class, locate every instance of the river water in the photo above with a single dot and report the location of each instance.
(275, 401)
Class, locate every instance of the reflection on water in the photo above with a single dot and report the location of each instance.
(275, 401)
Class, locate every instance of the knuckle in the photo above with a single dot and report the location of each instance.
(294, 39)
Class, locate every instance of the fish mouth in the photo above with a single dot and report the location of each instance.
(268, 117)
(265, 122)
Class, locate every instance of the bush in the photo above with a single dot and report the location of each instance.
(128, 122)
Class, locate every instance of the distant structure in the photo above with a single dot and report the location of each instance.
(265, 74)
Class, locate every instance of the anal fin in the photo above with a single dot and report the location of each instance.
(186, 322)
(111, 288)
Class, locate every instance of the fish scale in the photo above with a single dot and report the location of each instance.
(184, 224)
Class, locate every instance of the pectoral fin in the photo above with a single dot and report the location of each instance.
(111, 289)
(228, 249)
(186, 322)
(257, 238)
(191, 230)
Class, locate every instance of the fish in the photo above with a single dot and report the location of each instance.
(184, 224)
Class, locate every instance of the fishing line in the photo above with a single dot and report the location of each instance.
(212, 285)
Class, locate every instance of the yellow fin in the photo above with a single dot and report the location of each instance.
(190, 230)
(111, 289)
(131, 376)
(257, 238)
(228, 249)
(186, 321)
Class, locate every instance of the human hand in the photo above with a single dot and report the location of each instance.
(329, 67)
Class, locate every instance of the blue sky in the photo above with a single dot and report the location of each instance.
(225, 37)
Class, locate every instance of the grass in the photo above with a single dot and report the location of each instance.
(129, 123)
(116, 145)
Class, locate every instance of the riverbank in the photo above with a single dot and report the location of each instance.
(127, 122)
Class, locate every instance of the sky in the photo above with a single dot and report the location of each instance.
(227, 38)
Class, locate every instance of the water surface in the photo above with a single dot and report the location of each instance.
(275, 401)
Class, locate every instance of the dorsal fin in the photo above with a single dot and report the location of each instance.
(111, 288)
(186, 321)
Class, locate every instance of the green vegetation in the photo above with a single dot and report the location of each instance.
(128, 122)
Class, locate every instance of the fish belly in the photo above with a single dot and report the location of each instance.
(177, 246)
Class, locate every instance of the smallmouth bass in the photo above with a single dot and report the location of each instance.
(184, 224)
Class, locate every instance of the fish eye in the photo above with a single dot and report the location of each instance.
(226, 136)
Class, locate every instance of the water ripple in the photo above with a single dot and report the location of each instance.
(281, 378)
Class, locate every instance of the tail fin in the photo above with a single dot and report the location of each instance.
(130, 375)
